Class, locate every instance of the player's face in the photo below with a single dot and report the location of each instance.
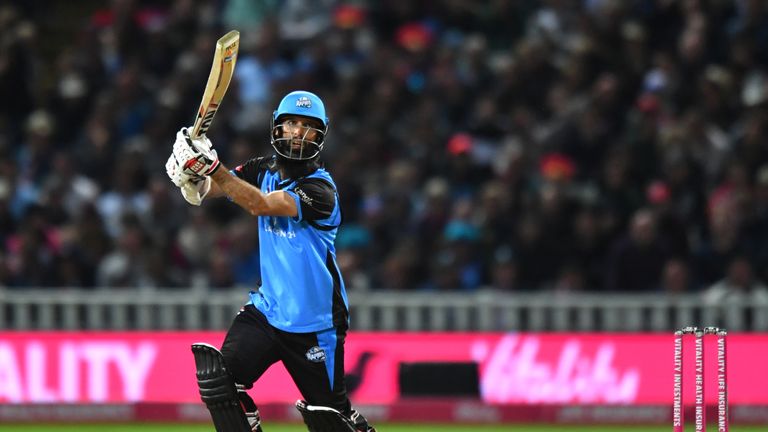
(299, 130)
(298, 137)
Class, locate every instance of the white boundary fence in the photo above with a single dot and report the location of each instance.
(149, 309)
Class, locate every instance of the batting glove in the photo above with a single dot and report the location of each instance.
(196, 157)
(195, 191)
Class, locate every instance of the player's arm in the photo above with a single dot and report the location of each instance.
(215, 191)
(251, 198)
(198, 160)
(309, 199)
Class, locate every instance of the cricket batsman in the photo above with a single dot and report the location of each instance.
(299, 315)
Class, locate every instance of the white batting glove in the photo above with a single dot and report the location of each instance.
(195, 157)
(195, 191)
(175, 172)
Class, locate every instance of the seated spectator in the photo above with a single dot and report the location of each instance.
(739, 284)
(637, 260)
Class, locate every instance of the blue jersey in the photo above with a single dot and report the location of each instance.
(302, 289)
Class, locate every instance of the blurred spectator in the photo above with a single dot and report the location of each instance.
(636, 261)
(588, 248)
(504, 270)
(125, 266)
(220, 270)
(19, 68)
(756, 224)
(32, 251)
(739, 283)
(536, 254)
(196, 238)
(725, 240)
(159, 271)
(671, 226)
(400, 270)
(570, 279)
(461, 244)
(126, 197)
(70, 187)
(90, 242)
(352, 245)
(675, 278)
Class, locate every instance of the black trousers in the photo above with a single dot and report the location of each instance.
(252, 345)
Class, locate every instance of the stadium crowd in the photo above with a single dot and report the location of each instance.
(593, 145)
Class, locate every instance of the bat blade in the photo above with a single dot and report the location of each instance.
(222, 69)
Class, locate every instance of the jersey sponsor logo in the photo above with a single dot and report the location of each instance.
(316, 354)
(303, 102)
(304, 197)
(280, 232)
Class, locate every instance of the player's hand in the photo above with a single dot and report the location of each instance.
(196, 157)
(194, 189)
(201, 145)
(176, 174)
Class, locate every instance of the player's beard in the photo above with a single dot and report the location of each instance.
(297, 168)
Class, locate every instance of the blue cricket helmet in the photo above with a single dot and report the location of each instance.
(304, 104)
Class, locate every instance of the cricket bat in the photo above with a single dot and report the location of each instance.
(222, 69)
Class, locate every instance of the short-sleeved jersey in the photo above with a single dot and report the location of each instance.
(302, 289)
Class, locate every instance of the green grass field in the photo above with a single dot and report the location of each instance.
(389, 427)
